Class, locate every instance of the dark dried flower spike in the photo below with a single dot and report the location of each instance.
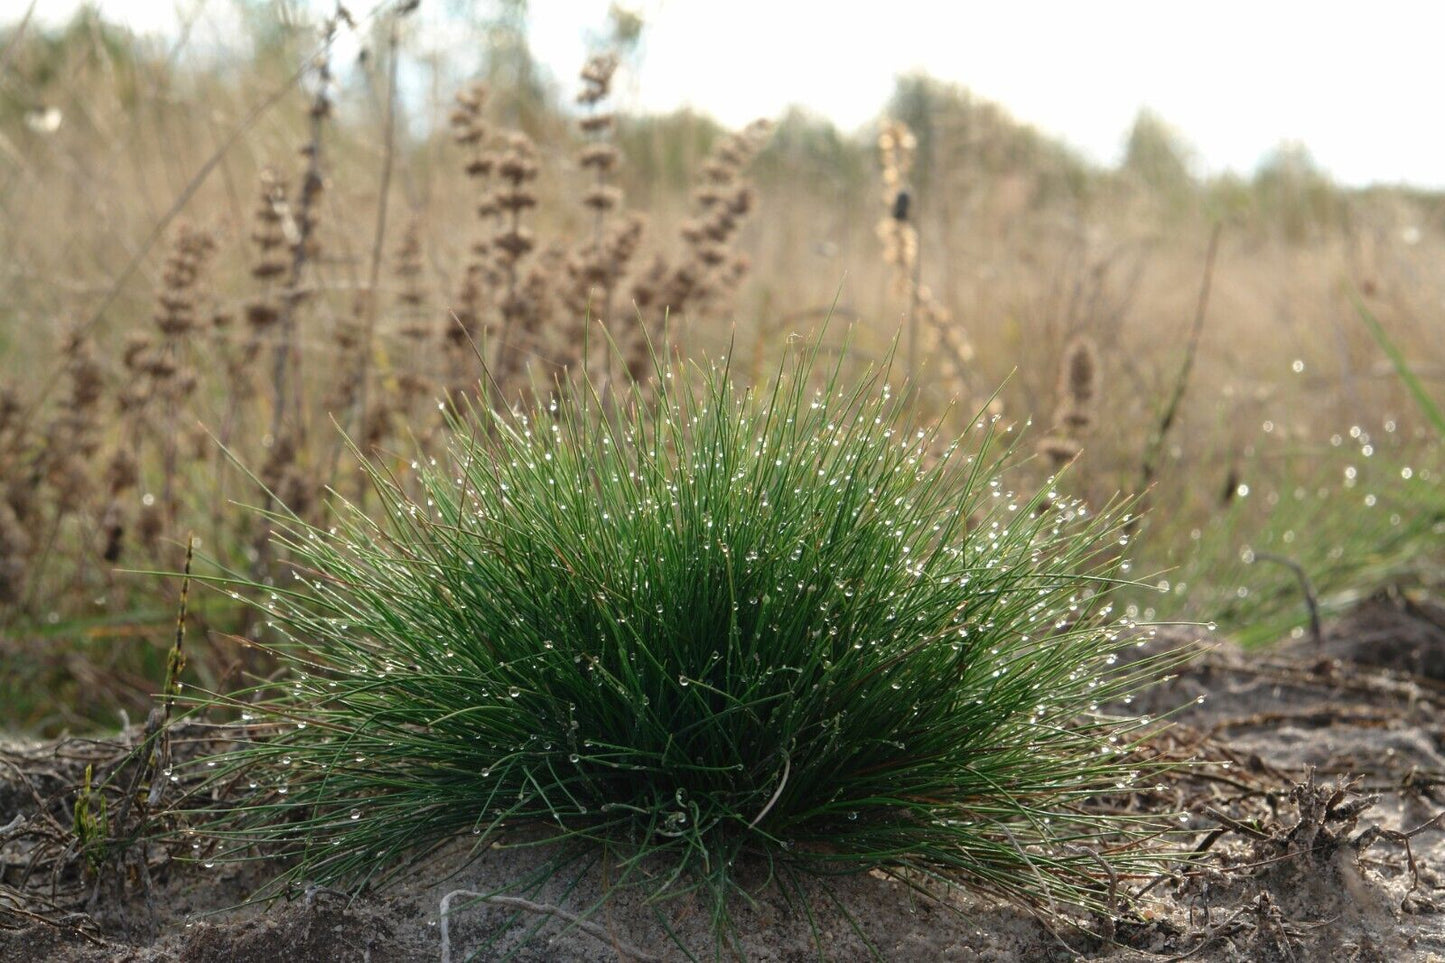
(1081, 372)
(1078, 396)
(597, 78)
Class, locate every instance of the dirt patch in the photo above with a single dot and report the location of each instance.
(1311, 779)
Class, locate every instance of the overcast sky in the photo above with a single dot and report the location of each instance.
(1358, 85)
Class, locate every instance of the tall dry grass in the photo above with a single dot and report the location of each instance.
(207, 262)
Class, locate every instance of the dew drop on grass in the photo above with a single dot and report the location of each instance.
(355, 814)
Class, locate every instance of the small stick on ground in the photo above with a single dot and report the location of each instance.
(543, 909)
(1311, 600)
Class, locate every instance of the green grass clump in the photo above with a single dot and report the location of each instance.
(786, 628)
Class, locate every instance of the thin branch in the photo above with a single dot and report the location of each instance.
(1150, 467)
(383, 197)
(1311, 600)
(542, 909)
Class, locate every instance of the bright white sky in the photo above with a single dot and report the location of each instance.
(1359, 86)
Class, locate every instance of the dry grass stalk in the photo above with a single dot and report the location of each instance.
(15, 540)
(897, 149)
(700, 284)
(273, 228)
(74, 435)
(285, 366)
(282, 473)
(516, 170)
(596, 266)
(15, 546)
(1078, 393)
(413, 382)
(47, 472)
(467, 327)
(172, 380)
(350, 342)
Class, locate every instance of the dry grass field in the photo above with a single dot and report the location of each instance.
(222, 268)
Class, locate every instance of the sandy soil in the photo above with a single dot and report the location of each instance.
(1315, 811)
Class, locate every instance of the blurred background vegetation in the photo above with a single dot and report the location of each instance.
(161, 199)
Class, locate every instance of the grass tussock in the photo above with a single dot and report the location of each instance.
(788, 625)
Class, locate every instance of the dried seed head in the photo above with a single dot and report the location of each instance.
(599, 157)
(112, 525)
(602, 198)
(1059, 451)
(896, 150)
(15, 544)
(409, 268)
(515, 243)
(899, 238)
(1078, 396)
(596, 125)
(10, 412)
(1074, 419)
(1079, 374)
(122, 472)
(597, 78)
(709, 270)
(517, 164)
(647, 289)
(468, 127)
(84, 375)
(262, 314)
(179, 282)
(512, 200)
(274, 231)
